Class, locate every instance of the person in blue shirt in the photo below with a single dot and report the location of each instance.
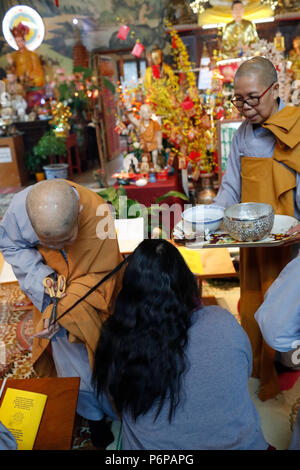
(176, 371)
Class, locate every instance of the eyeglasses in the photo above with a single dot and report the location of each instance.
(253, 101)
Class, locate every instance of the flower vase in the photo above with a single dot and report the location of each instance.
(40, 176)
(205, 190)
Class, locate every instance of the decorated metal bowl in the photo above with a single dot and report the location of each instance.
(249, 221)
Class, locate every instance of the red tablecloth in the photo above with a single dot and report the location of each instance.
(147, 194)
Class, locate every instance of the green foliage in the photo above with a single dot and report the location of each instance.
(76, 90)
(172, 194)
(34, 163)
(112, 196)
(85, 71)
(48, 145)
(150, 214)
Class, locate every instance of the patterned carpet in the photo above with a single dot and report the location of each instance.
(277, 415)
(6, 196)
(16, 328)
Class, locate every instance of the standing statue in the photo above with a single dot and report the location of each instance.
(149, 132)
(294, 57)
(25, 63)
(157, 69)
(238, 34)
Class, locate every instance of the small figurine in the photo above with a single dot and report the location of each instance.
(20, 105)
(131, 163)
(7, 111)
(149, 132)
(145, 167)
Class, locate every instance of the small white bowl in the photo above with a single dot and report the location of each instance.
(203, 218)
(141, 182)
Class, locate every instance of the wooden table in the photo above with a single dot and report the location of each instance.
(56, 427)
(216, 263)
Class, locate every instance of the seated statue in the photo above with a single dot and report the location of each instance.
(238, 34)
(157, 69)
(25, 63)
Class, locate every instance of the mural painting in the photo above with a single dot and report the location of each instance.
(98, 24)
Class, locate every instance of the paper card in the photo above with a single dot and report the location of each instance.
(123, 32)
(5, 155)
(7, 274)
(138, 49)
(130, 233)
(192, 259)
(21, 413)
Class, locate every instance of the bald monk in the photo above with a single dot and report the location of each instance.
(59, 227)
(263, 166)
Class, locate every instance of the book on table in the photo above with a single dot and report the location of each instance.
(21, 413)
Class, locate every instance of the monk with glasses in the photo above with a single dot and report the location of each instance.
(263, 166)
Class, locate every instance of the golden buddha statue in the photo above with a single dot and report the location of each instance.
(294, 57)
(158, 69)
(238, 34)
(25, 63)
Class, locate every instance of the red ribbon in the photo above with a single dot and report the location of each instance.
(187, 103)
(193, 155)
(156, 71)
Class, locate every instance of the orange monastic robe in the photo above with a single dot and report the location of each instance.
(28, 64)
(89, 259)
(148, 136)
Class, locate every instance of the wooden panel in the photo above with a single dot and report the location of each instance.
(56, 427)
(13, 173)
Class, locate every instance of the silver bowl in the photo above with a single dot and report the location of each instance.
(249, 221)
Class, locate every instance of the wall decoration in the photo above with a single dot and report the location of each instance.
(98, 23)
(225, 132)
(28, 17)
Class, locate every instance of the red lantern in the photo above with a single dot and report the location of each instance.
(123, 32)
(138, 49)
(56, 3)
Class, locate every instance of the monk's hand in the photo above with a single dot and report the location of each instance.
(296, 232)
(50, 284)
(49, 331)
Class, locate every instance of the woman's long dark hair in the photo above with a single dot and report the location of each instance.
(140, 357)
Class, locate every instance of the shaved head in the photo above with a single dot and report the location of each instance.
(257, 79)
(260, 67)
(53, 207)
